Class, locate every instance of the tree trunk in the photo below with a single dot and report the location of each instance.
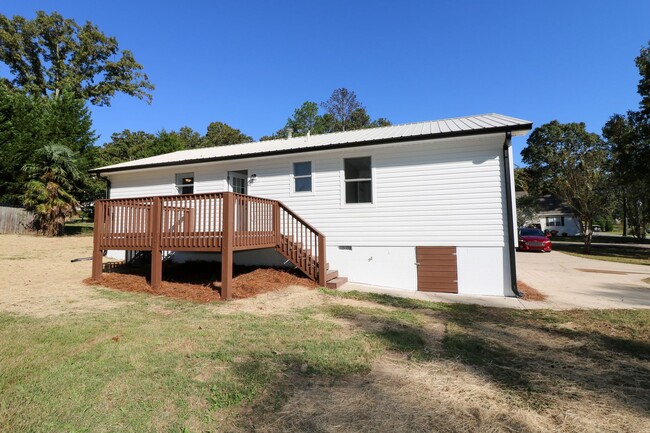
(624, 215)
(588, 236)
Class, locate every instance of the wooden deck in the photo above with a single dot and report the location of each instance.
(221, 222)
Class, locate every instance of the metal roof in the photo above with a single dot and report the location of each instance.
(459, 126)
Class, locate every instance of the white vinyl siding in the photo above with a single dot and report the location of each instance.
(434, 192)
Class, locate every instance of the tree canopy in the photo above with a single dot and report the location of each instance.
(573, 164)
(29, 123)
(220, 134)
(51, 53)
(343, 112)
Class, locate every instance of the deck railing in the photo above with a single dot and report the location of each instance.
(213, 222)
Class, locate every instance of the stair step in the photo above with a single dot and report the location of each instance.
(336, 282)
(331, 274)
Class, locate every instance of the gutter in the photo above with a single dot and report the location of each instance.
(509, 211)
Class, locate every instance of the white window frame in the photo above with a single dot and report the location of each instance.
(372, 179)
(552, 220)
(178, 182)
(294, 177)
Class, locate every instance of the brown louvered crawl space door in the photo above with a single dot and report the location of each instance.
(437, 270)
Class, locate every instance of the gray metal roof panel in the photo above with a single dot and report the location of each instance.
(470, 124)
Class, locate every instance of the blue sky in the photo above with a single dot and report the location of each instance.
(251, 63)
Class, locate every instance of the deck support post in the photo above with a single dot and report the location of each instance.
(322, 262)
(97, 252)
(227, 241)
(156, 254)
(276, 224)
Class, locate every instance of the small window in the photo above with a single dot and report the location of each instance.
(302, 176)
(555, 221)
(358, 180)
(185, 183)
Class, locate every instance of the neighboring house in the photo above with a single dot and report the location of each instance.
(554, 214)
(422, 206)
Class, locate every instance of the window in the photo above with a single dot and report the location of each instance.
(302, 176)
(185, 183)
(555, 221)
(358, 180)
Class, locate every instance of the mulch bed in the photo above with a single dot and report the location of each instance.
(530, 293)
(200, 281)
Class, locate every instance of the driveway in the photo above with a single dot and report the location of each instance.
(575, 282)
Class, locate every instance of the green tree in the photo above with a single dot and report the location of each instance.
(643, 63)
(128, 146)
(629, 138)
(51, 53)
(305, 119)
(574, 165)
(220, 134)
(189, 138)
(48, 194)
(27, 124)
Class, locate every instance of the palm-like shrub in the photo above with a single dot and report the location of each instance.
(48, 193)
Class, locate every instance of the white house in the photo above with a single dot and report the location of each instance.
(553, 214)
(421, 206)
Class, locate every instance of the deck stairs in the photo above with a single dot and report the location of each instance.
(303, 260)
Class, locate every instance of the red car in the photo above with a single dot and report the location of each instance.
(533, 240)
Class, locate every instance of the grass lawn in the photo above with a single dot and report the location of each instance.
(612, 253)
(341, 362)
(77, 227)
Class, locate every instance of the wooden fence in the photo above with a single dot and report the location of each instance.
(15, 220)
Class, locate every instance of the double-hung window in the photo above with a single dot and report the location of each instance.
(185, 183)
(358, 180)
(302, 176)
(555, 221)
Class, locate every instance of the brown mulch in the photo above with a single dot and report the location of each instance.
(530, 293)
(199, 281)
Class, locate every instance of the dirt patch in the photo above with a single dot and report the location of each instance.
(530, 293)
(38, 279)
(197, 281)
(602, 271)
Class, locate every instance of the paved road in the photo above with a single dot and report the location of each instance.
(575, 282)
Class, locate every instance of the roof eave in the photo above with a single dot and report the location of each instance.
(514, 129)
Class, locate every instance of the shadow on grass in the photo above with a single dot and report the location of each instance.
(539, 355)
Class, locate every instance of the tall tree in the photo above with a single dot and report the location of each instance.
(341, 105)
(305, 119)
(220, 134)
(28, 123)
(51, 53)
(48, 194)
(643, 63)
(573, 164)
(629, 138)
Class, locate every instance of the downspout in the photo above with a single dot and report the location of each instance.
(509, 211)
